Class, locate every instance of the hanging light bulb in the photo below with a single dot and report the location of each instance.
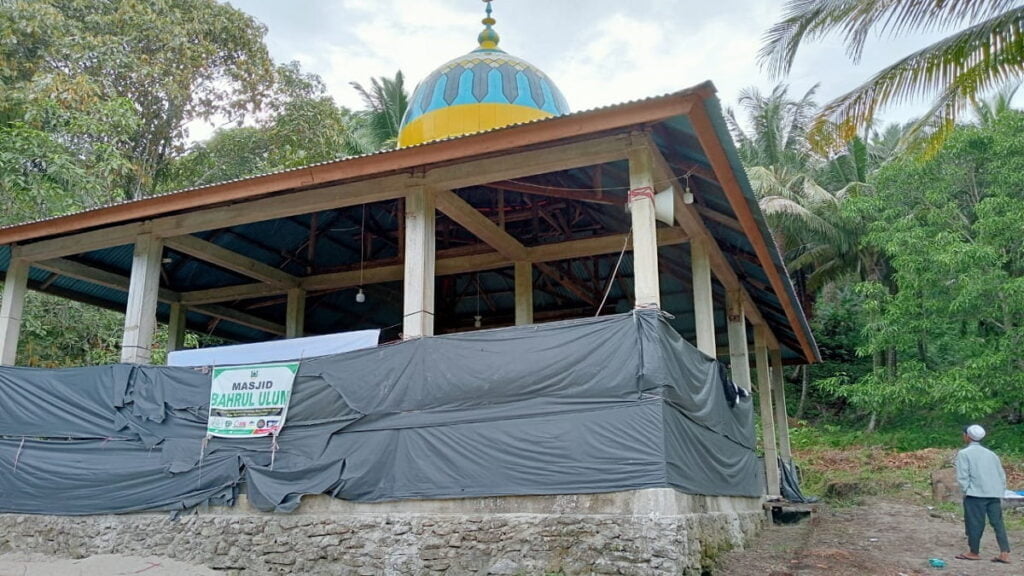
(360, 296)
(478, 317)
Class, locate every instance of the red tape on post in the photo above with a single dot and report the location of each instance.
(643, 192)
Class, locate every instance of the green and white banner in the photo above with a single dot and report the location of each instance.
(250, 401)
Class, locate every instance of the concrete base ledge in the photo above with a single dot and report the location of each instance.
(651, 501)
(654, 531)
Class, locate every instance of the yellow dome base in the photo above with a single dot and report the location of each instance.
(465, 119)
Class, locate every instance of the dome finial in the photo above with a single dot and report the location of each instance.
(488, 39)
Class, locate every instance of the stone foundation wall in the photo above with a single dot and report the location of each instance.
(644, 532)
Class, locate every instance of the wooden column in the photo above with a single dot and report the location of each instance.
(764, 397)
(645, 234)
(295, 319)
(739, 360)
(703, 301)
(418, 315)
(176, 327)
(15, 288)
(140, 315)
(781, 416)
(524, 293)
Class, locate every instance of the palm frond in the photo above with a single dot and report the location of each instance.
(854, 20)
(977, 59)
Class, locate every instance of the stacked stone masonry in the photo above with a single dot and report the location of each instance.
(401, 543)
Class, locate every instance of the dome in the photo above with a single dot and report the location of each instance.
(485, 89)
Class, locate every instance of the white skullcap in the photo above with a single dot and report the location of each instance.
(975, 432)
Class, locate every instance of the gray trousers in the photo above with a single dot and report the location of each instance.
(975, 510)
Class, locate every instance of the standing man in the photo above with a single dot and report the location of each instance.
(983, 482)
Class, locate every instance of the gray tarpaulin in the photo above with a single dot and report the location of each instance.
(606, 404)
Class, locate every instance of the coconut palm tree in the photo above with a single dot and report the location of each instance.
(989, 109)
(983, 52)
(803, 194)
(782, 168)
(386, 100)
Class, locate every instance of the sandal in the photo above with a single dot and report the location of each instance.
(966, 557)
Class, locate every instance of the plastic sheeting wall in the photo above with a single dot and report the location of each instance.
(606, 404)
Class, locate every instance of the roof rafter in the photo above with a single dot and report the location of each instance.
(216, 255)
(481, 226)
(453, 261)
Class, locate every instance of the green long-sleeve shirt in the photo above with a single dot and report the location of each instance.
(979, 472)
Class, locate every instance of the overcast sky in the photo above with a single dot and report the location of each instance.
(598, 52)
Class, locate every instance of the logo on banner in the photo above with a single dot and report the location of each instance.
(250, 401)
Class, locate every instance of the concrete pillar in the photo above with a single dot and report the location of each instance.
(15, 288)
(420, 218)
(738, 356)
(295, 319)
(176, 327)
(703, 301)
(764, 397)
(140, 315)
(781, 416)
(524, 293)
(645, 235)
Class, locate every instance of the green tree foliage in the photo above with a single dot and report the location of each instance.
(105, 90)
(301, 125)
(983, 52)
(950, 225)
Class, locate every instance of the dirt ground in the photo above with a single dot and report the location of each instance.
(878, 537)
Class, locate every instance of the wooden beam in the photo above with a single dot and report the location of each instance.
(481, 226)
(524, 293)
(449, 262)
(143, 292)
(496, 142)
(474, 172)
(420, 225)
(176, 327)
(734, 194)
(529, 163)
(218, 256)
(290, 204)
(568, 283)
(764, 397)
(716, 216)
(295, 314)
(567, 193)
(696, 169)
(86, 273)
(598, 245)
(12, 307)
(241, 318)
(236, 292)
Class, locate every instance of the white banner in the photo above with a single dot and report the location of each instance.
(275, 350)
(250, 401)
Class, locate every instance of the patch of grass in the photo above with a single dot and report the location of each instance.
(897, 459)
